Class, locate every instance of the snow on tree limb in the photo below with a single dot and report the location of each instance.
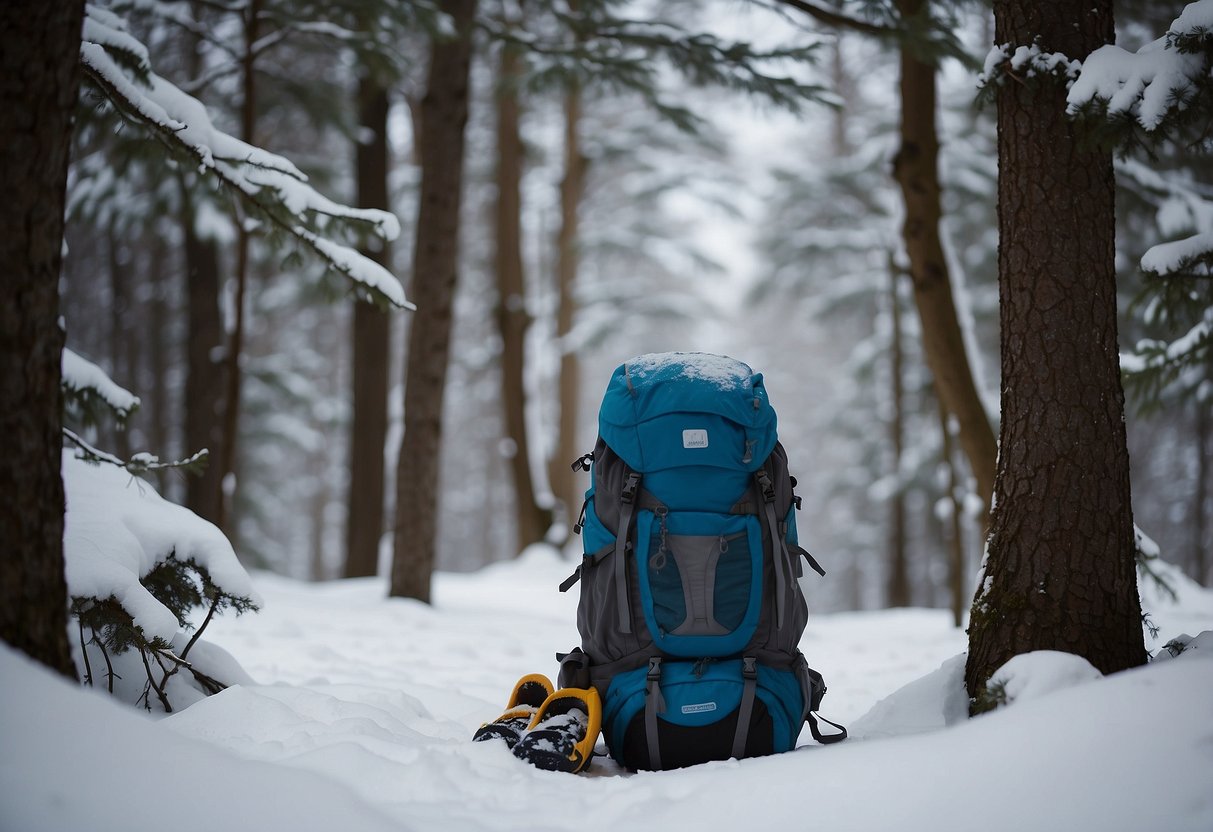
(118, 529)
(267, 184)
(140, 463)
(1179, 256)
(1155, 87)
(1147, 85)
(84, 383)
(356, 267)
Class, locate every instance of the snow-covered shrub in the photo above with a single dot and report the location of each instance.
(1188, 646)
(139, 568)
(1032, 675)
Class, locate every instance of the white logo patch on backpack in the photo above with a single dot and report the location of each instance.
(694, 439)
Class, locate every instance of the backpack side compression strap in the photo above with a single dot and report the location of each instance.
(749, 671)
(654, 703)
(628, 507)
(766, 490)
(826, 739)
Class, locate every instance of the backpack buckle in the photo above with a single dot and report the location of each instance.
(630, 488)
(749, 667)
(654, 674)
(766, 486)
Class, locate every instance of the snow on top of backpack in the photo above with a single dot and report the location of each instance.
(719, 370)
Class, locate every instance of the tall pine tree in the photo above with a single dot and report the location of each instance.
(1060, 567)
(39, 45)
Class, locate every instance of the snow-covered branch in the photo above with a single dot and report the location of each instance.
(86, 386)
(140, 463)
(1022, 64)
(1156, 89)
(269, 185)
(136, 567)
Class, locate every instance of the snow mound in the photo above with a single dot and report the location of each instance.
(935, 701)
(1042, 672)
(78, 760)
(1200, 647)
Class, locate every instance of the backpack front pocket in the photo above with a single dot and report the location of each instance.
(701, 703)
(700, 579)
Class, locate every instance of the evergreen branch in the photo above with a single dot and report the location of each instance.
(140, 463)
(87, 390)
(195, 86)
(620, 53)
(928, 37)
(109, 664)
(167, 12)
(1159, 91)
(151, 683)
(838, 20)
(88, 667)
(372, 278)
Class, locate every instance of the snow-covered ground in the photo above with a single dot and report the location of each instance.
(364, 707)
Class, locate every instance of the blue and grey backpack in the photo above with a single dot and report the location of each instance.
(691, 614)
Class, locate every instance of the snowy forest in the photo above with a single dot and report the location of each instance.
(312, 307)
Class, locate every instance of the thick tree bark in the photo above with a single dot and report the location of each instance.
(372, 352)
(39, 54)
(898, 587)
(566, 485)
(513, 319)
(444, 114)
(916, 170)
(1060, 568)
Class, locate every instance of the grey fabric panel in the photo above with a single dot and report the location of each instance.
(696, 557)
(602, 637)
(610, 472)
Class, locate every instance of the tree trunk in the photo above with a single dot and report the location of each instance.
(898, 590)
(566, 485)
(39, 53)
(204, 377)
(1204, 453)
(444, 114)
(916, 170)
(1060, 567)
(204, 341)
(372, 351)
(513, 319)
(158, 364)
(122, 365)
(233, 374)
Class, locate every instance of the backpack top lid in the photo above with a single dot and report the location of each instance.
(665, 410)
